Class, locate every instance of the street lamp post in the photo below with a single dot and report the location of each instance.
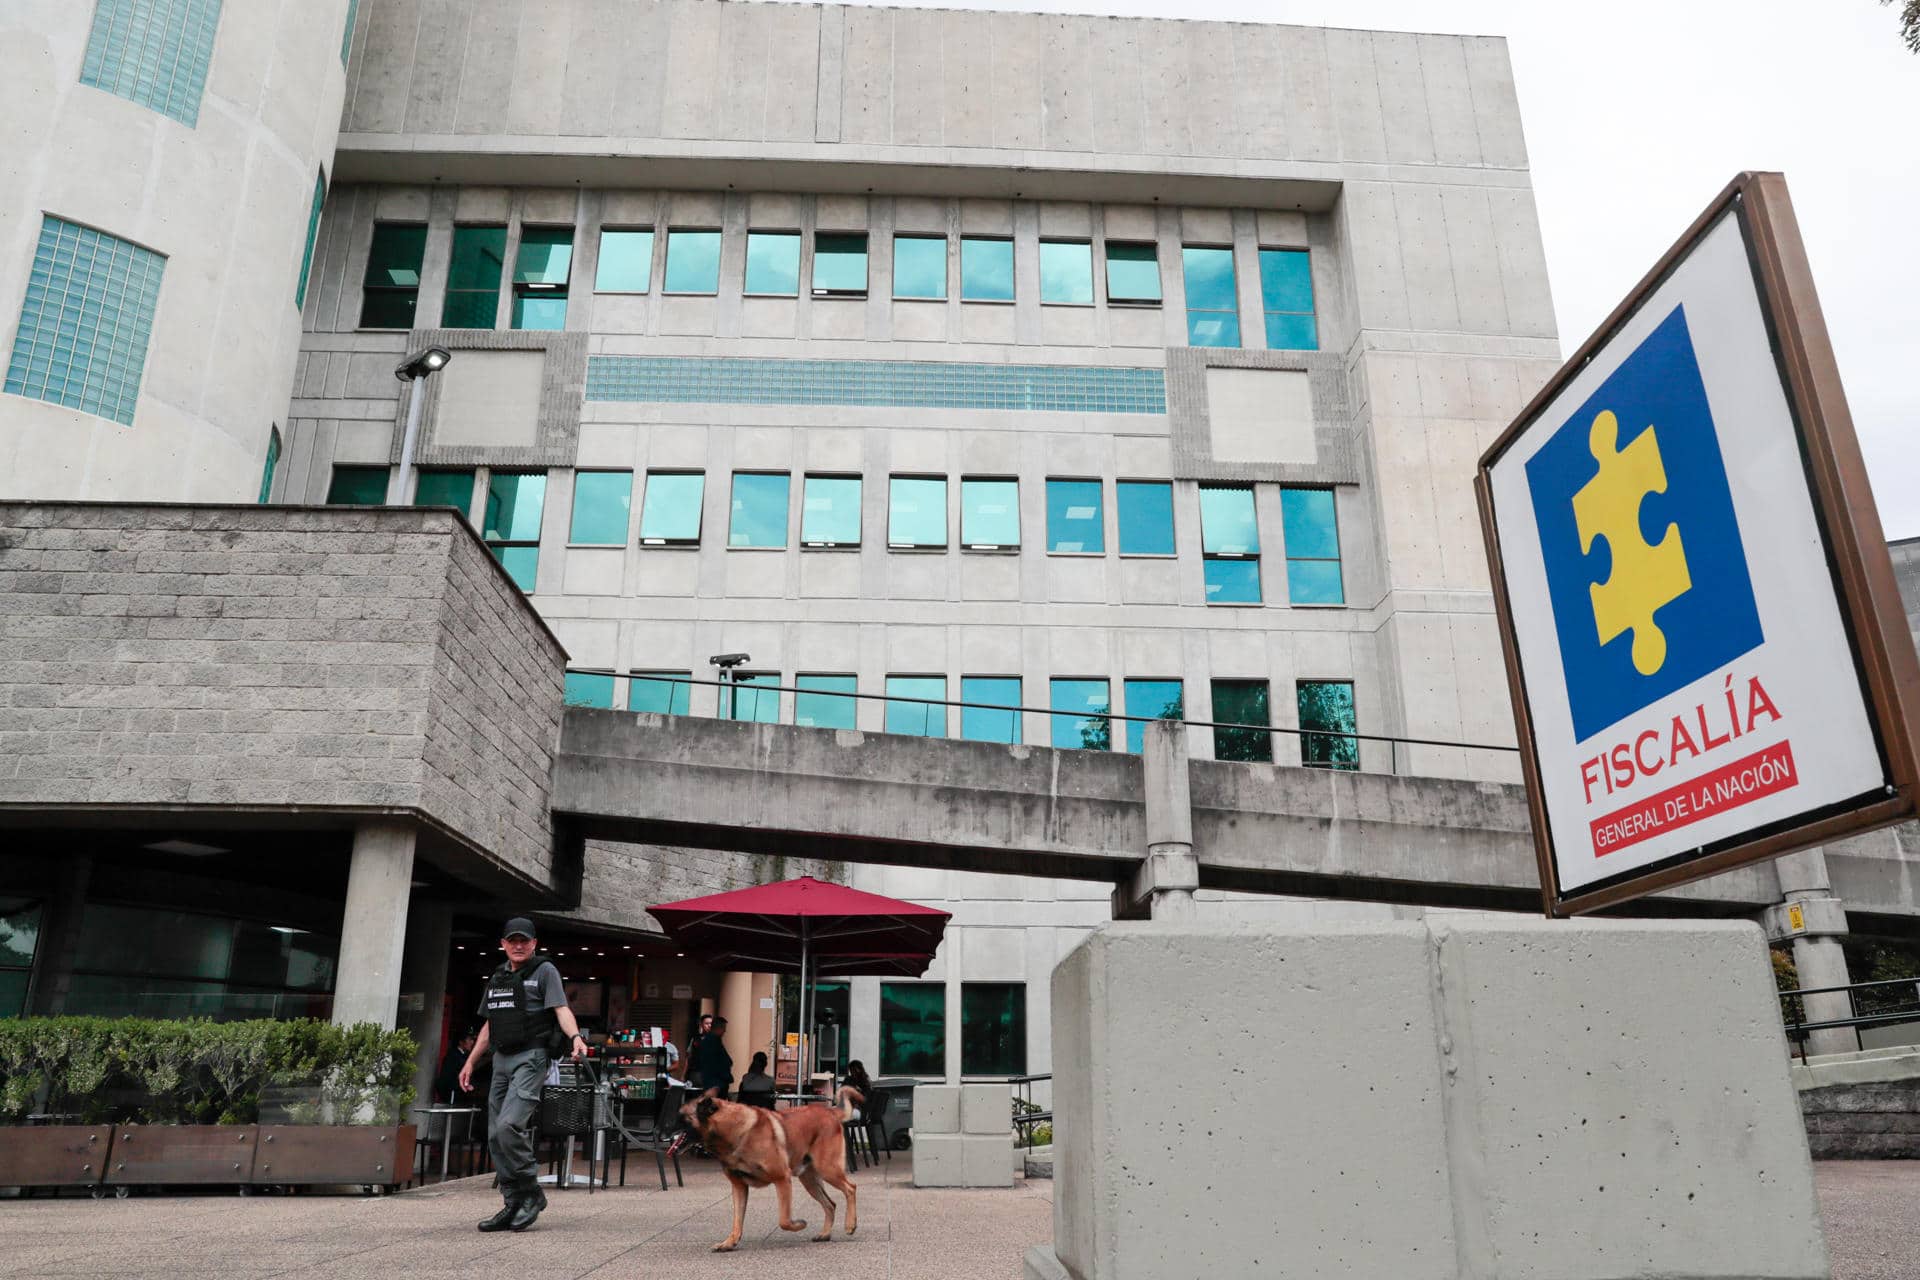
(415, 370)
(729, 664)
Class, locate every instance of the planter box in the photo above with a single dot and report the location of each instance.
(68, 1155)
(312, 1153)
(163, 1154)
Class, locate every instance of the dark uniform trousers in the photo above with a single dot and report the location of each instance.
(511, 1103)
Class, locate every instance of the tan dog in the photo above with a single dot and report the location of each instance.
(758, 1148)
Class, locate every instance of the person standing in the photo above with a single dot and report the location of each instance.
(526, 1010)
(713, 1062)
(702, 1029)
(447, 1082)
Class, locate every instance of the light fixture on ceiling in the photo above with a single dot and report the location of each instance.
(285, 928)
(187, 848)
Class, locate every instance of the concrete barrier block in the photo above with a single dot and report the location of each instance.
(983, 1160)
(938, 1160)
(936, 1109)
(986, 1108)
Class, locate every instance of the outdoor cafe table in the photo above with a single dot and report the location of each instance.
(446, 1134)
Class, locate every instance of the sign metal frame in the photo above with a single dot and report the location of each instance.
(1855, 547)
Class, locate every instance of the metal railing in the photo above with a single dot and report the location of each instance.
(1890, 1002)
(1027, 1116)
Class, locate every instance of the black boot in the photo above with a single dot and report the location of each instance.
(532, 1201)
(503, 1219)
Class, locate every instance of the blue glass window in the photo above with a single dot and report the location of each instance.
(586, 689)
(759, 509)
(273, 459)
(917, 511)
(1242, 702)
(1286, 296)
(357, 487)
(1312, 533)
(1230, 544)
(625, 264)
(601, 502)
(1066, 271)
(917, 719)
(1231, 581)
(473, 278)
(392, 283)
(515, 501)
(824, 702)
(1327, 706)
(840, 264)
(1133, 273)
(1160, 699)
(1145, 511)
(693, 262)
(986, 270)
(996, 721)
(989, 514)
(86, 320)
(773, 263)
(670, 512)
(153, 52)
(1079, 717)
(666, 693)
(313, 237)
(752, 696)
(541, 270)
(919, 266)
(1213, 306)
(444, 488)
(346, 39)
(830, 512)
(1074, 521)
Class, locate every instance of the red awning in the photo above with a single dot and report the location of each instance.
(845, 931)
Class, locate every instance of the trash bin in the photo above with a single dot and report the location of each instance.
(899, 1117)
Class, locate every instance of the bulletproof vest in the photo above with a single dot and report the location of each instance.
(515, 1020)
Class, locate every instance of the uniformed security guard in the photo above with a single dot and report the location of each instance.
(526, 1011)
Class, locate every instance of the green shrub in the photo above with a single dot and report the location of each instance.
(200, 1072)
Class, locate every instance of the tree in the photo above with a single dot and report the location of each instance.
(1909, 22)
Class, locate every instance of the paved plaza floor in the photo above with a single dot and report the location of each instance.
(905, 1234)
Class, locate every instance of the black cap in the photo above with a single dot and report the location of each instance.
(518, 925)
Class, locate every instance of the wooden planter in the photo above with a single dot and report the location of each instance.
(318, 1154)
(134, 1155)
(68, 1155)
(181, 1154)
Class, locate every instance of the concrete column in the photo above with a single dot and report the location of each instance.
(423, 989)
(373, 929)
(736, 1006)
(1163, 885)
(1814, 920)
(60, 936)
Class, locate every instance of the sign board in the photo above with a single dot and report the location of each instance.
(1796, 918)
(682, 991)
(1707, 656)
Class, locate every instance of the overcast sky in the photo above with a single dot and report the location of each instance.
(1638, 111)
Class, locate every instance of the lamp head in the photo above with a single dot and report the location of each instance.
(423, 364)
(727, 661)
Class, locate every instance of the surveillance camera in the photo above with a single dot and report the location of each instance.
(724, 660)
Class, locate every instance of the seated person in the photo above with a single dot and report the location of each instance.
(857, 1077)
(756, 1087)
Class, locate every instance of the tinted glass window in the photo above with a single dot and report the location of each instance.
(670, 511)
(1066, 271)
(917, 719)
(1161, 699)
(19, 931)
(693, 262)
(822, 701)
(1213, 309)
(1241, 702)
(474, 270)
(990, 723)
(586, 689)
(1231, 581)
(445, 489)
(919, 266)
(1328, 705)
(1227, 525)
(830, 511)
(626, 262)
(986, 270)
(754, 696)
(1133, 272)
(913, 1028)
(773, 262)
(1074, 521)
(1145, 511)
(273, 459)
(313, 235)
(541, 269)
(659, 692)
(357, 487)
(601, 503)
(993, 1028)
(759, 517)
(392, 283)
(512, 525)
(840, 263)
(1286, 296)
(1313, 546)
(917, 512)
(990, 513)
(1080, 714)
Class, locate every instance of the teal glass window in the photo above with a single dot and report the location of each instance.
(753, 695)
(473, 278)
(917, 512)
(997, 721)
(1213, 306)
(993, 1029)
(273, 460)
(625, 264)
(541, 270)
(601, 503)
(989, 514)
(515, 502)
(1286, 298)
(919, 266)
(1158, 699)
(19, 939)
(693, 261)
(759, 517)
(313, 237)
(1326, 714)
(1242, 702)
(825, 702)
(588, 689)
(1066, 271)
(357, 487)
(986, 269)
(346, 38)
(1079, 717)
(449, 487)
(913, 1028)
(1133, 274)
(86, 321)
(391, 287)
(1075, 525)
(670, 512)
(830, 512)
(922, 719)
(1229, 544)
(667, 693)
(773, 263)
(1145, 512)
(153, 52)
(840, 264)
(1312, 532)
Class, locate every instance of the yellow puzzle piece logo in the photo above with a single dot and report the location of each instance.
(1646, 576)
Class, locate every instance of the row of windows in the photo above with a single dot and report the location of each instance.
(1080, 708)
(922, 265)
(913, 1025)
(919, 518)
